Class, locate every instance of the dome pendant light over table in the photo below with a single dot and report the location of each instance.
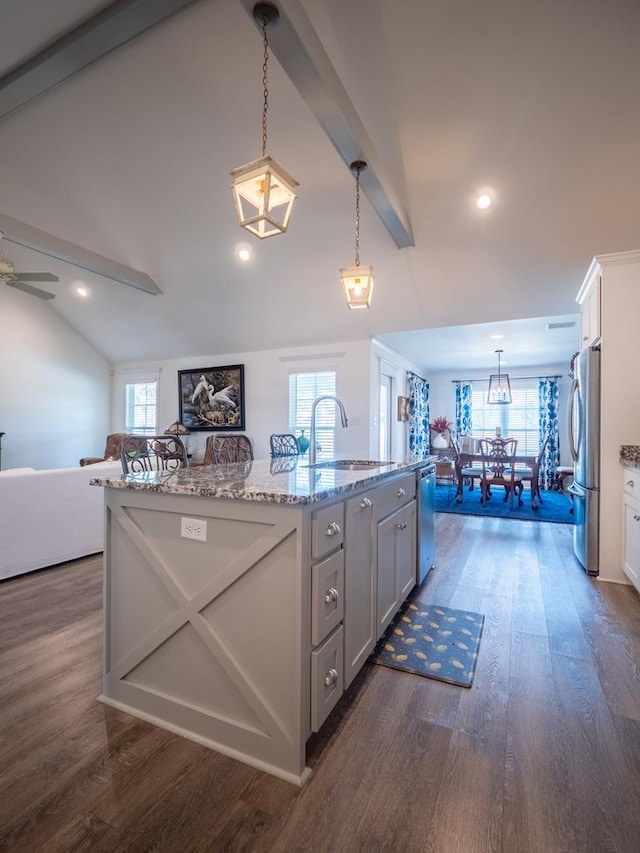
(357, 281)
(499, 386)
(263, 191)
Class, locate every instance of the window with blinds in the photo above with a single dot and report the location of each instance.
(303, 390)
(518, 419)
(140, 407)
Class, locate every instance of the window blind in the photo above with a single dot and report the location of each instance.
(518, 419)
(303, 390)
(140, 407)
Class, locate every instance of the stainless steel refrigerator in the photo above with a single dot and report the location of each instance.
(584, 443)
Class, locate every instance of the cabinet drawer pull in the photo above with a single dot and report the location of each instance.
(365, 503)
(401, 493)
(334, 529)
(630, 483)
(331, 677)
(402, 525)
(331, 595)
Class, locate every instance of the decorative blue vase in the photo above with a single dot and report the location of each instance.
(303, 443)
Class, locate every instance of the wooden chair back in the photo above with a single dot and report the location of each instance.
(498, 466)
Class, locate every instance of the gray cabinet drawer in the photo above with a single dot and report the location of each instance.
(390, 496)
(327, 596)
(327, 530)
(327, 678)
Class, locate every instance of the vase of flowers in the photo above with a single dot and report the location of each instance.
(440, 433)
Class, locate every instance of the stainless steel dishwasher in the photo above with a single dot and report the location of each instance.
(426, 520)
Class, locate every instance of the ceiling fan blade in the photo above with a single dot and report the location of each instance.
(35, 276)
(34, 291)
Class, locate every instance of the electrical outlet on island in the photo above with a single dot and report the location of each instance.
(193, 528)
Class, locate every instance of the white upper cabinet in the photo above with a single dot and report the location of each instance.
(588, 299)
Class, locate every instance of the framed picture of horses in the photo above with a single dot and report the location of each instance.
(212, 398)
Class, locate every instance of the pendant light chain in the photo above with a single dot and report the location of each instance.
(265, 90)
(357, 217)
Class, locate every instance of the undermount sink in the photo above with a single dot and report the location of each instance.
(350, 465)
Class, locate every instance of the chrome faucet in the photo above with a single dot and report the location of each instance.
(312, 437)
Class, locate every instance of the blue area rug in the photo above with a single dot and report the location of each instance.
(434, 641)
(555, 506)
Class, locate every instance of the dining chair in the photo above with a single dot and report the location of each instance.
(532, 474)
(140, 453)
(222, 449)
(498, 468)
(469, 472)
(284, 444)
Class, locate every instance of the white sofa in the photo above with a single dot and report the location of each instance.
(50, 516)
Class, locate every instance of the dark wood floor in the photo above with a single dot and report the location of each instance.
(541, 755)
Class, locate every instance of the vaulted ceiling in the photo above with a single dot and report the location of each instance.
(130, 158)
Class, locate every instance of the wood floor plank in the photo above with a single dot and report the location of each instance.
(468, 813)
(537, 813)
(325, 816)
(603, 782)
(481, 722)
(403, 799)
(540, 755)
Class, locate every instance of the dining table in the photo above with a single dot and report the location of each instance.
(467, 460)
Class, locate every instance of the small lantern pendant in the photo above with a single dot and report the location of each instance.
(264, 196)
(262, 190)
(357, 281)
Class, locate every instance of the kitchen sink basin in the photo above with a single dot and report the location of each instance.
(350, 465)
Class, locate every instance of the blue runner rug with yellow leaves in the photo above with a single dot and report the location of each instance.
(431, 640)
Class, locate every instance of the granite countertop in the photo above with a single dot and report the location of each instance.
(284, 480)
(630, 455)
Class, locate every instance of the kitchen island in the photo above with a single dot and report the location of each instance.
(241, 600)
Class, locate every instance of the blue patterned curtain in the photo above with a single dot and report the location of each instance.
(463, 408)
(548, 395)
(418, 416)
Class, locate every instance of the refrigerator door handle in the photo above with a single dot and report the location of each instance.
(573, 394)
(576, 490)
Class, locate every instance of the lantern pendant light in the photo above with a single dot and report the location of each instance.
(357, 281)
(499, 386)
(263, 191)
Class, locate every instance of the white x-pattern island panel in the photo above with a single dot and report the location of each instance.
(234, 641)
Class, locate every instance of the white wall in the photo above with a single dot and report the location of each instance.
(388, 361)
(443, 394)
(55, 388)
(267, 391)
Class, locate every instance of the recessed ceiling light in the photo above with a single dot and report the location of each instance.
(82, 291)
(243, 252)
(495, 337)
(483, 201)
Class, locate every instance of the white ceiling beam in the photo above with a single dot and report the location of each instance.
(296, 46)
(112, 27)
(40, 241)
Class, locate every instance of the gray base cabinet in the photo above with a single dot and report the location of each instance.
(380, 564)
(360, 584)
(246, 641)
(396, 558)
